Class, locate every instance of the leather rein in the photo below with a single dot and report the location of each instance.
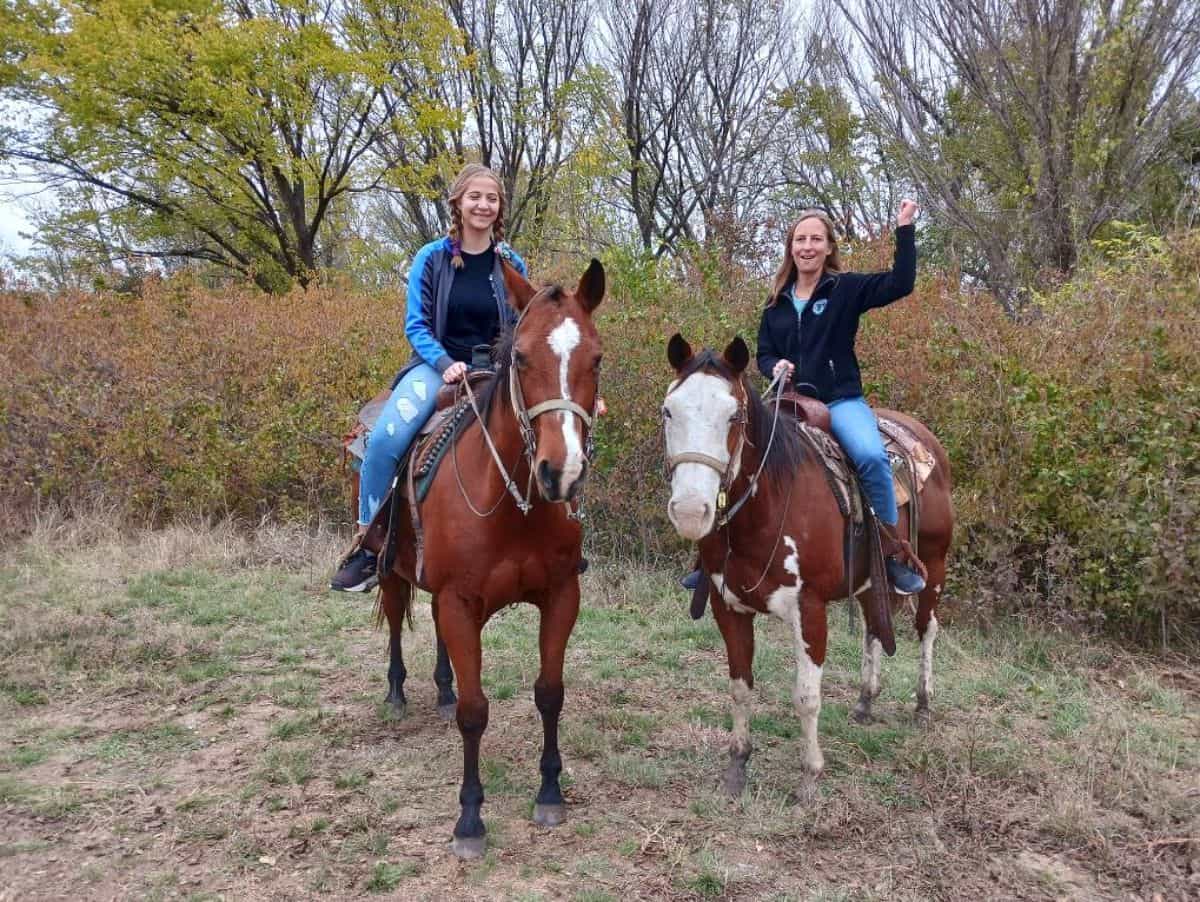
(525, 417)
(727, 470)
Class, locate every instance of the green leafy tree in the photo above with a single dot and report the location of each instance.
(216, 130)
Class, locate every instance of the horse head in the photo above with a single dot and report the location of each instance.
(704, 414)
(554, 371)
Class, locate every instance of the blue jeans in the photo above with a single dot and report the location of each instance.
(857, 431)
(411, 404)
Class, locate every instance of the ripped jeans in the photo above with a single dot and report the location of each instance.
(406, 411)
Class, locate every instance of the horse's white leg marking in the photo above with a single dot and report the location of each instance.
(925, 680)
(563, 340)
(784, 603)
(742, 696)
(872, 651)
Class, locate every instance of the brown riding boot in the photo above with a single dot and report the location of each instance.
(905, 570)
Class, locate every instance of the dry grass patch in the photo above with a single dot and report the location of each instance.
(205, 719)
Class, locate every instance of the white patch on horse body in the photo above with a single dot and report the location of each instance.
(742, 696)
(727, 595)
(407, 409)
(700, 409)
(419, 389)
(937, 590)
(791, 563)
(925, 686)
(563, 340)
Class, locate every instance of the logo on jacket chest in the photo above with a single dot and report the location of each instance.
(818, 307)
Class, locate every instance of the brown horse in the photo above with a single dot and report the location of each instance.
(782, 550)
(491, 541)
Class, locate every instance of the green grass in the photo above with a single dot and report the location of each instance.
(233, 709)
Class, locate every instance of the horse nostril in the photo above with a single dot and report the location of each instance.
(548, 477)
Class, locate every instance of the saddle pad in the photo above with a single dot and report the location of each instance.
(902, 447)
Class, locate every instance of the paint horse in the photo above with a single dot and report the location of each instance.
(782, 551)
(486, 545)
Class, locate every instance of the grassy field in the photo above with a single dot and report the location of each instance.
(184, 714)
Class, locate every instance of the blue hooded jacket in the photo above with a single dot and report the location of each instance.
(429, 283)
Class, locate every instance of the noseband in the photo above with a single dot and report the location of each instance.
(525, 417)
(724, 470)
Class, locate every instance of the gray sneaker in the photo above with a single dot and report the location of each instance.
(357, 573)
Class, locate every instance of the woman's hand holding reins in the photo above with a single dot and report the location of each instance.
(908, 212)
(784, 366)
(454, 372)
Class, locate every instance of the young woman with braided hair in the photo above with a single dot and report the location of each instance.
(456, 301)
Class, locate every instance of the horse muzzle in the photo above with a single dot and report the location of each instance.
(561, 483)
(691, 514)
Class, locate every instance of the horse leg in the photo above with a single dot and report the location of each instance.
(460, 630)
(558, 614)
(872, 654)
(737, 630)
(443, 676)
(390, 603)
(927, 629)
(809, 635)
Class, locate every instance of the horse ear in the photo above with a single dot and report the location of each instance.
(737, 355)
(679, 351)
(519, 290)
(591, 286)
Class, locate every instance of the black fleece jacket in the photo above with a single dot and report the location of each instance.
(821, 341)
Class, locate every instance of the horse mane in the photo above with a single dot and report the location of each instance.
(496, 393)
(785, 453)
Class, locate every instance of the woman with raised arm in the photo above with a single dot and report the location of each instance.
(456, 302)
(806, 337)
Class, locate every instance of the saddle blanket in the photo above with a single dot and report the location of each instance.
(911, 461)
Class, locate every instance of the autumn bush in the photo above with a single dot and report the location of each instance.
(1074, 431)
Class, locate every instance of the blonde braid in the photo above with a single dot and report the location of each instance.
(456, 259)
(498, 225)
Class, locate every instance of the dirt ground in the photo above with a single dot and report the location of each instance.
(181, 717)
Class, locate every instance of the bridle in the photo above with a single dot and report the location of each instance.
(727, 471)
(525, 417)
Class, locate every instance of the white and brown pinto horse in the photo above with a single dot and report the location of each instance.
(782, 550)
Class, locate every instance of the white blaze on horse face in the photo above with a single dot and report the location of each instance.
(563, 340)
(697, 418)
(784, 603)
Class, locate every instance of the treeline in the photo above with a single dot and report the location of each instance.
(1074, 436)
(275, 141)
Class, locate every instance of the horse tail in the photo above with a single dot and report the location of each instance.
(393, 603)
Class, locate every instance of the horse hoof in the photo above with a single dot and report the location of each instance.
(397, 709)
(861, 716)
(548, 815)
(735, 783)
(468, 848)
(448, 712)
